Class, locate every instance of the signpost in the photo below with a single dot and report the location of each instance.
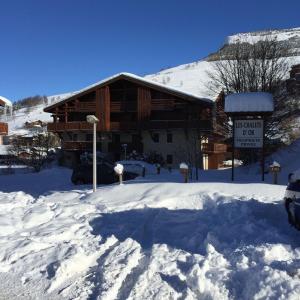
(248, 134)
(247, 112)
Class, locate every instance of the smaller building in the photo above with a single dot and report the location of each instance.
(5, 109)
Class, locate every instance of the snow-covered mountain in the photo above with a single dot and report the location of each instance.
(192, 77)
(284, 35)
(16, 122)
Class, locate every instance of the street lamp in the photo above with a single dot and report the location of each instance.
(94, 120)
(125, 150)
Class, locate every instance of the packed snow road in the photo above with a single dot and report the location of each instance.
(146, 239)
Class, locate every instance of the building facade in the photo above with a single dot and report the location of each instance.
(141, 114)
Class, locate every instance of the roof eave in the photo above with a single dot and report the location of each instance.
(180, 94)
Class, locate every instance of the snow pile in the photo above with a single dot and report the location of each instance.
(295, 176)
(275, 164)
(183, 166)
(119, 169)
(136, 166)
(249, 102)
(145, 240)
(289, 160)
(236, 162)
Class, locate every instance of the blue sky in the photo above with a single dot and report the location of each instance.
(49, 47)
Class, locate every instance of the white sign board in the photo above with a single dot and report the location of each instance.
(248, 133)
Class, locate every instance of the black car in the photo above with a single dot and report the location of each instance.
(292, 199)
(83, 174)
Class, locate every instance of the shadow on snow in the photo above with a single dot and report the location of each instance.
(226, 226)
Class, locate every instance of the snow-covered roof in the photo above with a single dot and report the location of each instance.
(5, 100)
(249, 102)
(137, 78)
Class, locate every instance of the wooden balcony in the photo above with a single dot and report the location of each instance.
(3, 128)
(85, 107)
(214, 148)
(70, 126)
(120, 106)
(203, 125)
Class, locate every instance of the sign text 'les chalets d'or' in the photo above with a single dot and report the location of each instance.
(248, 133)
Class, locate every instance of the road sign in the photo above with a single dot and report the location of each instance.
(248, 133)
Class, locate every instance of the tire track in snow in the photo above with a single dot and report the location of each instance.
(147, 241)
(132, 277)
(95, 277)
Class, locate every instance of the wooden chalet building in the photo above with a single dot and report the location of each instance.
(143, 114)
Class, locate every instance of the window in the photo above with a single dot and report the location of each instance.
(155, 137)
(89, 137)
(169, 159)
(116, 139)
(75, 137)
(169, 137)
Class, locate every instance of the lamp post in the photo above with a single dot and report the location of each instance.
(125, 150)
(275, 168)
(94, 120)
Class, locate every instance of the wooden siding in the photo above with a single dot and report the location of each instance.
(70, 126)
(3, 128)
(143, 104)
(214, 148)
(130, 108)
(103, 108)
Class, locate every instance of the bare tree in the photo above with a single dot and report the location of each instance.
(258, 67)
(34, 152)
(190, 152)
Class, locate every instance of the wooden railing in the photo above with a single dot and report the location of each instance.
(118, 106)
(3, 128)
(203, 125)
(214, 148)
(85, 106)
(69, 126)
(120, 126)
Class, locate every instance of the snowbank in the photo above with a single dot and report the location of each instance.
(145, 240)
(119, 168)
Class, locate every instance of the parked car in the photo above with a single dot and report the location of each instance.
(83, 174)
(292, 199)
